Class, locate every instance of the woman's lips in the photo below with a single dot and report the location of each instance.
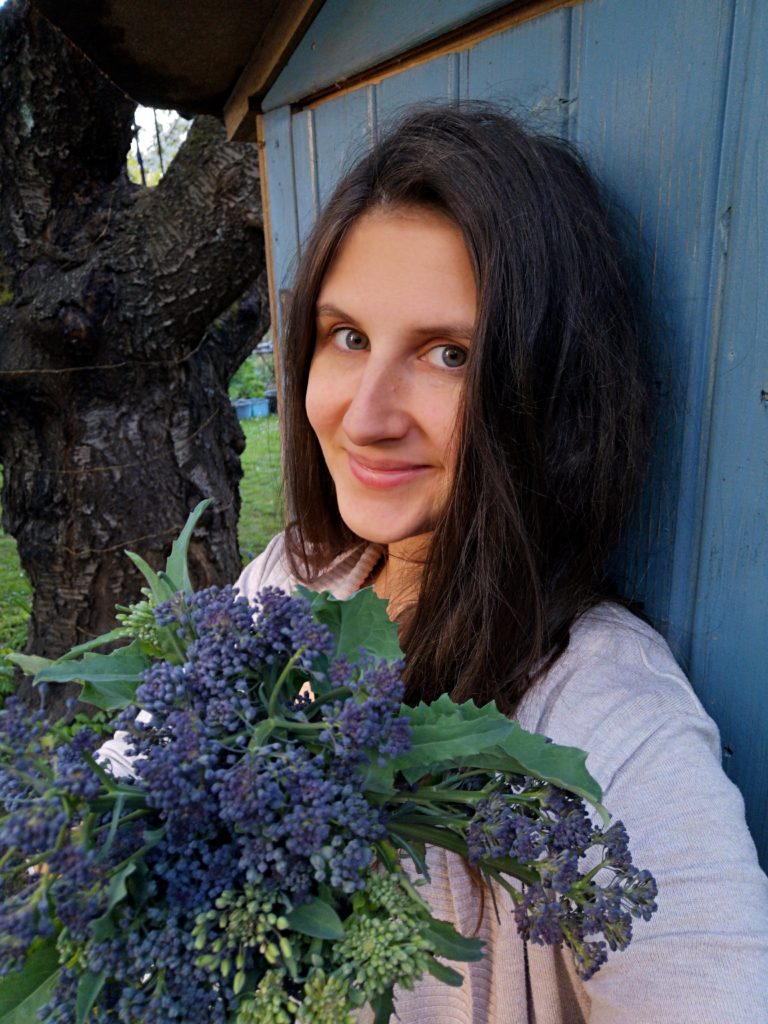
(385, 473)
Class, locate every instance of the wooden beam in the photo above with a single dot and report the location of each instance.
(464, 37)
(284, 30)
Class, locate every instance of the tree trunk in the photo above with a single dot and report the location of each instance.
(124, 312)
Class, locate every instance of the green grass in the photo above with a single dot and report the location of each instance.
(15, 595)
(15, 601)
(260, 520)
(261, 515)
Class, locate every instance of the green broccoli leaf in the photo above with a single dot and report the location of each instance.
(88, 989)
(30, 664)
(359, 621)
(24, 992)
(110, 680)
(446, 735)
(162, 590)
(317, 919)
(176, 570)
(447, 942)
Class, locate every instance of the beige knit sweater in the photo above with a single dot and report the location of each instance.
(703, 959)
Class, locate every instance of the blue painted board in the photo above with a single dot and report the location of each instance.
(649, 93)
(305, 171)
(283, 226)
(343, 132)
(348, 36)
(436, 80)
(525, 71)
(730, 625)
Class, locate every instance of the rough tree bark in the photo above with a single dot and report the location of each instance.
(124, 312)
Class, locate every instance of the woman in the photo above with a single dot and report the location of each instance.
(465, 417)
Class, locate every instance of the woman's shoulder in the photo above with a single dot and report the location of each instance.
(616, 684)
(269, 569)
(612, 656)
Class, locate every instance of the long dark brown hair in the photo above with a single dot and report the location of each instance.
(553, 429)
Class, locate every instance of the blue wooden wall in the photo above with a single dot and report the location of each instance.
(667, 101)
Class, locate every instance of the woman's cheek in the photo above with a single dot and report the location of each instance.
(323, 404)
(316, 399)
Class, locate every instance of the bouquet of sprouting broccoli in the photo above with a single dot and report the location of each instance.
(247, 868)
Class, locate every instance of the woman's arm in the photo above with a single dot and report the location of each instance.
(704, 955)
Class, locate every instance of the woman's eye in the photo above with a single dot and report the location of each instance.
(351, 341)
(450, 356)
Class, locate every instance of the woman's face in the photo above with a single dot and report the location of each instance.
(394, 321)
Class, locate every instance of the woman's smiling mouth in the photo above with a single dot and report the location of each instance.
(384, 473)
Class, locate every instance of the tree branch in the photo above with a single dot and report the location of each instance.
(205, 209)
(232, 336)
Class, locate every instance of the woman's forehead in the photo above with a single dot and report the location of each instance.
(410, 257)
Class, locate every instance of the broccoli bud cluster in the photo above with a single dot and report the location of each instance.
(248, 871)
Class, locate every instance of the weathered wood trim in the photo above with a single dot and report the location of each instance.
(270, 55)
(274, 320)
(452, 41)
(265, 208)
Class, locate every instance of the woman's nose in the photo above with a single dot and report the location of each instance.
(377, 410)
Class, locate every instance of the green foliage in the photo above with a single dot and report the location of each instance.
(109, 680)
(6, 675)
(23, 994)
(252, 377)
(88, 991)
(448, 735)
(151, 178)
(177, 570)
(316, 918)
(357, 623)
(62, 730)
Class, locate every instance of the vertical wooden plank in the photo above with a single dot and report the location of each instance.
(462, 68)
(344, 129)
(278, 159)
(730, 653)
(649, 82)
(436, 80)
(305, 171)
(525, 70)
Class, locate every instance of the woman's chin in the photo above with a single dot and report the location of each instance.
(409, 541)
(387, 533)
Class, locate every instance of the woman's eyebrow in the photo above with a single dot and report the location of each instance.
(327, 309)
(457, 331)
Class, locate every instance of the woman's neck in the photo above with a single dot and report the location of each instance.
(399, 578)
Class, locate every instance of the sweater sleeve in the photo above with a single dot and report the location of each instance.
(704, 955)
(703, 958)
